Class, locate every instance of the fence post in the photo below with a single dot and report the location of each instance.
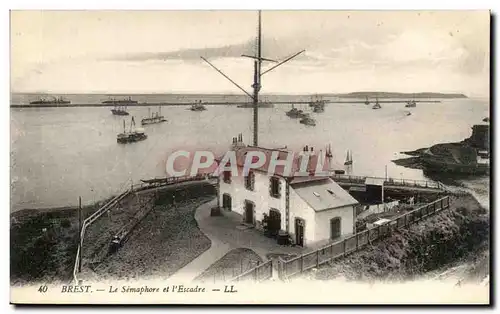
(331, 252)
(378, 232)
(285, 270)
(317, 258)
(278, 268)
(302, 263)
(343, 245)
(357, 241)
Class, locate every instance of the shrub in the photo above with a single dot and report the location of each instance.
(65, 223)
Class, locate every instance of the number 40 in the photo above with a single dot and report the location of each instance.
(43, 289)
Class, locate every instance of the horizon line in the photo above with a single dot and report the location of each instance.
(239, 94)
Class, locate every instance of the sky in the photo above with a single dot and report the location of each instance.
(159, 51)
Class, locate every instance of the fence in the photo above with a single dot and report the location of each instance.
(260, 273)
(155, 183)
(88, 221)
(355, 242)
(390, 181)
(134, 188)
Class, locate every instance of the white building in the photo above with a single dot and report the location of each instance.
(310, 209)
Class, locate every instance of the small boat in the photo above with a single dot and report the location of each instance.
(295, 113)
(366, 101)
(198, 106)
(377, 105)
(319, 109)
(339, 171)
(124, 101)
(348, 158)
(307, 120)
(318, 105)
(54, 101)
(120, 108)
(411, 104)
(133, 135)
(120, 111)
(153, 118)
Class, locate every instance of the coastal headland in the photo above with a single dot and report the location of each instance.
(468, 157)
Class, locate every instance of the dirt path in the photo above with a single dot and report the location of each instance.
(216, 251)
(234, 263)
(225, 235)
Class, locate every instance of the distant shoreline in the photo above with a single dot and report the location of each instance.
(232, 103)
(369, 94)
(230, 99)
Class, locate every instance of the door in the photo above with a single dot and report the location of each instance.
(249, 207)
(274, 225)
(300, 225)
(335, 228)
(226, 201)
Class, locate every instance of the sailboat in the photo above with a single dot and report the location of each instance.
(329, 156)
(348, 158)
(411, 104)
(153, 118)
(367, 102)
(377, 105)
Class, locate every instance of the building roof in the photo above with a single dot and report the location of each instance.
(323, 195)
(241, 153)
(302, 179)
(374, 181)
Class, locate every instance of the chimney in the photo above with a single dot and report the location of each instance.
(312, 149)
(307, 148)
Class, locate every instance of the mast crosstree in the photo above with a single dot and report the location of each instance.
(256, 86)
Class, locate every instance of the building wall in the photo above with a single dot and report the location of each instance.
(260, 196)
(317, 224)
(322, 222)
(300, 209)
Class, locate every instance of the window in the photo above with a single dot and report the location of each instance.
(250, 181)
(275, 187)
(227, 176)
